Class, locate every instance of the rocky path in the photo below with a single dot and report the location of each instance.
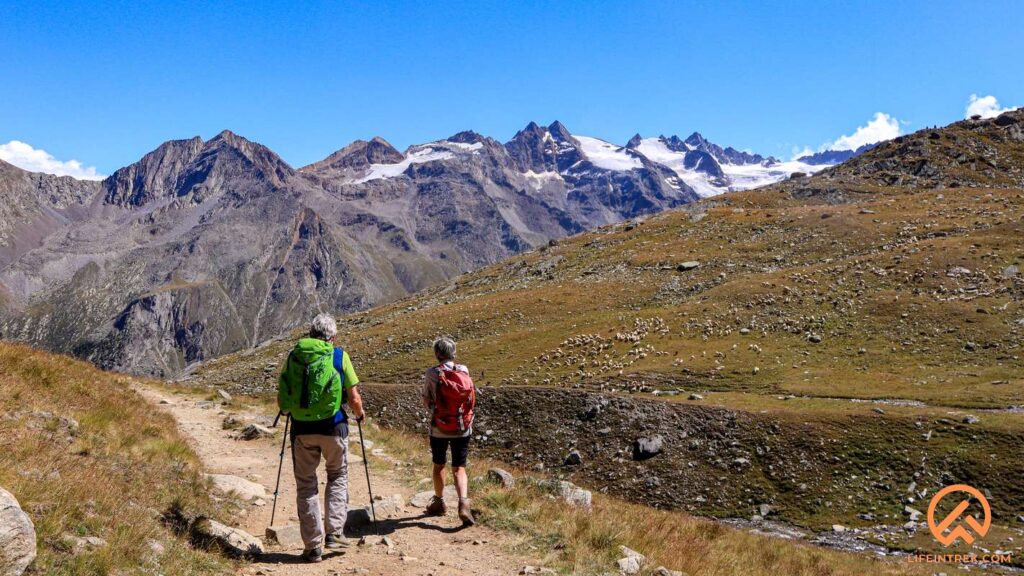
(422, 545)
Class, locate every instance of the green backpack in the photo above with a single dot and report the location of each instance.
(310, 387)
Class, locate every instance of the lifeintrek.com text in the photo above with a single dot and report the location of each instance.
(961, 558)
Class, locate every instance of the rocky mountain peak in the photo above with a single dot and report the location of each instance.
(559, 132)
(467, 137)
(634, 142)
(155, 175)
(177, 167)
(358, 155)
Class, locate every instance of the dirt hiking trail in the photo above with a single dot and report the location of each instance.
(423, 545)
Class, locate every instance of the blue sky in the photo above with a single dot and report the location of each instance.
(105, 82)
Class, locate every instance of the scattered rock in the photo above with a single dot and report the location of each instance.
(244, 489)
(648, 447)
(687, 266)
(156, 547)
(17, 536)
(231, 422)
(389, 507)
(696, 397)
(224, 396)
(814, 338)
(231, 541)
(254, 431)
(422, 499)
(569, 492)
(573, 459)
(838, 528)
(632, 561)
(80, 544)
(914, 514)
(502, 478)
(288, 536)
(662, 571)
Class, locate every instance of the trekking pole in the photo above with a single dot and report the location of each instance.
(280, 463)
(366, 465)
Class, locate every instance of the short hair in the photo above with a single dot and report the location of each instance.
(444, 348)
(324, 327)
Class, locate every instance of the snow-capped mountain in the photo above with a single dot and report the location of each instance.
(709, 169)
(206, 247)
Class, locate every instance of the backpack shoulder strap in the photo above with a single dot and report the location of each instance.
(339, 367)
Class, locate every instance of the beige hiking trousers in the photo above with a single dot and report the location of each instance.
(306, 452)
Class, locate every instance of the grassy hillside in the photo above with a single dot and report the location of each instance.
(875, 326)
(87, 457)
(904, 294)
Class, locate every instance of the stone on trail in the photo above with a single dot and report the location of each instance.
(240, 487)
(389, 507)
(17, 536)
(422, 499)
(254, 431)
(358, 517)
(231, 541)
(501, 477)
(285, 536)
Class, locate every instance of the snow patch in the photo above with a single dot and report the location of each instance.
(417, 156)
(606, 155)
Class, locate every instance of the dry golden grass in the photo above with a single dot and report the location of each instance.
(110, 478)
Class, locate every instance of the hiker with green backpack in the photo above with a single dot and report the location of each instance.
(317, 379)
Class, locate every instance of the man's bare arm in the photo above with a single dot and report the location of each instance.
(355, 402)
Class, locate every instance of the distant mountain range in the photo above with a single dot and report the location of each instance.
(206, 247)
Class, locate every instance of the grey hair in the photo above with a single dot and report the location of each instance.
(444, 348)
(324, 327)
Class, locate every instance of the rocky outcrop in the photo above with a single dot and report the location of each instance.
(17, 537)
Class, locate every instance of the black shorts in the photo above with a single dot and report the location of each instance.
(460, 450)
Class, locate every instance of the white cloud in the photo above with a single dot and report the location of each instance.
(801, 152)
(881, 127)
(984, 106)
(26, 157)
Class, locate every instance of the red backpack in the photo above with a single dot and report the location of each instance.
(454, 400)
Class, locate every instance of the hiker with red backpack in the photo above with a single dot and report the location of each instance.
(449, 393)
(317, 380)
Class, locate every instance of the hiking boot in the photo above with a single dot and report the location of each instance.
(313, 555)
(336, 541)
(465, 514)
(437, 507)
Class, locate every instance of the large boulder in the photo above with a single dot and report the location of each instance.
(17, 536)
